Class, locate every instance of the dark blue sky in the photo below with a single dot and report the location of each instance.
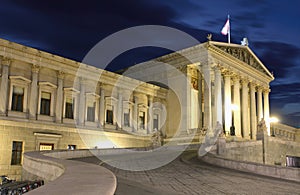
(71, 28)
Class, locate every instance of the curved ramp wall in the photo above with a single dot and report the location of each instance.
(67, 176)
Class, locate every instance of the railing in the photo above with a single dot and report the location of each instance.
(283, 131)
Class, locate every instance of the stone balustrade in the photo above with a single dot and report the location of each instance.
(282, 131)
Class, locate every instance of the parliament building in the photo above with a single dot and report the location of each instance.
(49, 102)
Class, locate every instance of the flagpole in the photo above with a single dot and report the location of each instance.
(229, 30)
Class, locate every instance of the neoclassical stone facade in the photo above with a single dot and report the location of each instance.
(50, 102)
(228, 84)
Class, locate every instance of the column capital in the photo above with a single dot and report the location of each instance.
(266, 90)
(236, 79)
(227, 73)
(150, 98)
(244, 82)
(6, 61)
(259, 88)
(253, 85)
(60, 74)
(35, 68)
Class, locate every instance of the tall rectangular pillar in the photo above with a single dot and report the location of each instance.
(34, 92)
(59, 97)
(4, 86)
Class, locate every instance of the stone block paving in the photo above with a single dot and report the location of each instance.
(197, 177)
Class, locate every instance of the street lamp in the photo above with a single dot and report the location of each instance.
(273, 120)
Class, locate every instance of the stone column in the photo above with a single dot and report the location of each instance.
(207, 97)
(253, 117)
(200, 123)
(102, 106)
(237, 110)
(227, 103)
(120, 109)
(245, 115)
(135, 114)
(33, 92)
(267, 109)
(150, 115)
(59, 98)
(259, 104)
(218, 97)
(4, 86)
(82, 103)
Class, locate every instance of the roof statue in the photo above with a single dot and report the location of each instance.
(209, 36)
(245, 42)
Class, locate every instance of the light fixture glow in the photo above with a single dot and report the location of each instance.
(273, 120)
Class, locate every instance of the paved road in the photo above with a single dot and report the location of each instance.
(196, 177)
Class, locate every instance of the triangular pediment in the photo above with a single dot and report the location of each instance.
(244, 54)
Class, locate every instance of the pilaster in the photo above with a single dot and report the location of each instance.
(59, 98)
(82, 102)
(135, 114)
(4, 86)
(102, 106)
(120, 109)
(150, 115)
(34, 92)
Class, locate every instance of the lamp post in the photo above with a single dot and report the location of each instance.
(273, 120)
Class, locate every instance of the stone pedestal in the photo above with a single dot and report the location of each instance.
(221, 145)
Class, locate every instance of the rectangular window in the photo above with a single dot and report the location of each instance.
(109, 116)
(46, 146)
(17, 99)
(91, 112)
(155, 121)
(45, 103)
(69, 108)
(17, 149)
(142, 120)
(71, 147)
(127, 119)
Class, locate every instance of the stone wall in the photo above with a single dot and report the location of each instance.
(270, 150)
(244, 151)
(33, 133)
(276, 150)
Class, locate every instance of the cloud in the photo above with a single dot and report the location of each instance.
(279, 57)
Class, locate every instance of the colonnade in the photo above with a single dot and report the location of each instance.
(239, 103)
